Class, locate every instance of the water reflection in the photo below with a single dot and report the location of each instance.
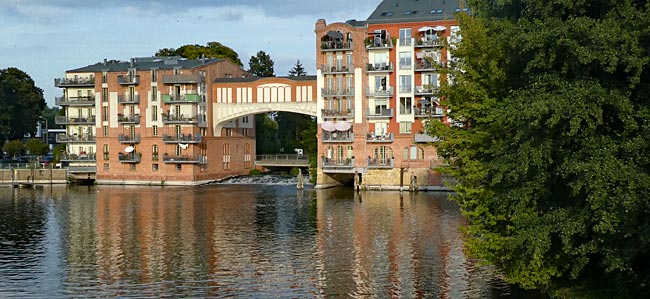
(233, 241)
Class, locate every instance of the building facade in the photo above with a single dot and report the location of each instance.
(378, 87)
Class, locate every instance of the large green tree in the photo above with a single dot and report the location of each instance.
(291, 125)
(21, 102)
(261, 65)
(266, 128)
(210, 50)
(550, 142)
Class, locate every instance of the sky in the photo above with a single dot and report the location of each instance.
(44, 38)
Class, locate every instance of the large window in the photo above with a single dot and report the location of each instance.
(405, 127)
(405, 60)
(405, 83)
(405, 105)
(405, 37)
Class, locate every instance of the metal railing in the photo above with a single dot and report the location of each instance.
(179, 119)
(337, 113)
(380, 67)
(182, 138)
(387, 92)
(127, 138)
(329, 69)
(182, 79)
(337, 136)
(282, 160)
(65, 138)
(385, 138)
(65, 120)
(381, 163)
(338, 92)
(328, 163)
(128, 79)
(77, 157)
(78, 81)
(336, 45)
(179, 99)
(183, 159)
(75, 101)
(128, 119)
(379, 43)
(130, 99)
(425, 90)
(380, 113)
(130, 157)
(427, 43)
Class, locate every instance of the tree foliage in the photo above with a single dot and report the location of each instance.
(21, 102)
(298, 70)
(36, 147)
(14, 148)
(210, 50)
(261, 65)
(266, 135)
(550, 142)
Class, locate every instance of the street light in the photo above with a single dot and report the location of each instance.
(44, 133)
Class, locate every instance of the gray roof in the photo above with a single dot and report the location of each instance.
(252, 79)
(146, 63)
(402, 11)
(355, 23)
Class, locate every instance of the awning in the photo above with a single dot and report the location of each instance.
(343, 126)
(129, 149)
(440, 28)
(425, 28)
(328, 126)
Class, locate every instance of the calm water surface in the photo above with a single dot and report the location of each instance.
(233, 240)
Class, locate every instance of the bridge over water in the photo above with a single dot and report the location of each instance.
(282, 160)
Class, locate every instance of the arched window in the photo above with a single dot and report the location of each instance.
(382, 155)
(413, 153)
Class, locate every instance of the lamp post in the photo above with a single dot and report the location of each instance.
(44, 133)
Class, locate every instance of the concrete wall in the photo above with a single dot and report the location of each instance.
(39, 176)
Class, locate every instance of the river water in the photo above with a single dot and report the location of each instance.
(242, 238)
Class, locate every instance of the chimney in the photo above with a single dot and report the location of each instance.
(320, 24)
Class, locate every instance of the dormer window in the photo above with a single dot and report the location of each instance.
(387, 14)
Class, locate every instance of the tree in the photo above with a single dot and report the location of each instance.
(297, 70)
(14, 148)
(266, 135)
(261, 65)
(37, 147)
(22, 103)
(210, 50)
(550, 143)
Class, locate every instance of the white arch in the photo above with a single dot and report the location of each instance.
(224, 113)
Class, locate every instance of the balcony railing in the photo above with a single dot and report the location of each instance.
(183, 159)
(332, 164)
(182, 138)
(128, 119)
(336, 45)
(385, 138)
(179, 119)
(340, 69)
(75, 82)
(125, 138)
(83, 120)
(130, 99)
(337, 136)
(182, 79)
(65, 138)
(380, 68)
(130, 157)
(381, 163)
(428, 43)
(128, 80)
(77, 157)
(381, 92)
(380, 113)
(337, 113)
(425, 90)
(373, 43)
(75, 101)
(338, 92)
(180, 99)
(428, 112)
(424, 138)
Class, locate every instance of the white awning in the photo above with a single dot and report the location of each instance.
(328, 126)
(440, 28)
(425, 28)
(343, 125)
(129, 149)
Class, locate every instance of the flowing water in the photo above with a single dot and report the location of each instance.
(258, 238)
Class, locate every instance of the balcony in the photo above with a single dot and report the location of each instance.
(182, 138)
(340, 166)
(130, 158)
(385, 138)
(337, 137)
(422, 65)
(179, 119)
(75, 101)
(380, 113)
(65, 120)
(182, 159)
(340, 69)
(182, 79)
(381, 163)
(65, 138)
(75, 82)
(191, 98)
(424, 138)
(128, 119)
(428, 111)
(130, 99)
(380, 68)
(381, 92)
(377, 43)
(428, 43)
(77, 158)
(128, 139)
(337, 113)
(425, 90)
(338, 92)
(128, 80)
(326, 46)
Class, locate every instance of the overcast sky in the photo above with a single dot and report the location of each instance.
(45, 38)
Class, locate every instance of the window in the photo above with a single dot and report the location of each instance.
(405, 37)
(405, 105)
(381, 60)
(179, 167)
(154, 93)
(350, 152)
(178, 130)
(105, 151)
(413, 153)
(106, 166)
(154, 75)
(105, 113)
(405, 127)
(405, 60)
(104, 77)
(380, 83)
(154, 167)
(381, 155)
(104, 94)
(247, 156)
(348, 62)
(226, 156)
(244, 120)
(154, 113)
(330, 61)
(405, 83)
(228, 132)
(132, 167)
(179, 150)
(244, 132)
(154, 152)
(105, 129)
(177, 71)
(154, 130)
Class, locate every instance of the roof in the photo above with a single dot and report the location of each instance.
(355, 23)
(146, 63)
(253, 79)
(401, 11)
